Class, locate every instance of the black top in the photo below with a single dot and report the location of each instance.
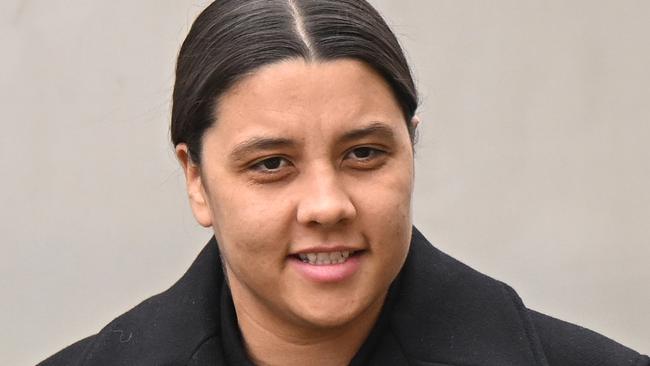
(438, 312)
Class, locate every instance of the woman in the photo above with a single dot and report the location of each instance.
(294, 123)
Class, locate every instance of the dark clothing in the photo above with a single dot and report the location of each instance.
(438, 312)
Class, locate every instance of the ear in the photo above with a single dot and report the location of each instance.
(415, 121)
(195, 189)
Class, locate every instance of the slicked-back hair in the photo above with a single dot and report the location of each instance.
(231, 39)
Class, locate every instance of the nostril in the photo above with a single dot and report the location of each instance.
(325, 201)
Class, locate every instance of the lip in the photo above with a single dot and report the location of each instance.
(327, 273)
(325, 249)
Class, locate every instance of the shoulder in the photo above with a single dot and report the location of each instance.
(173, 327)
(71, 355)
(448, 312)
(567, 344)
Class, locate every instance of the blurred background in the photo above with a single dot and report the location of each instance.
(532, 163)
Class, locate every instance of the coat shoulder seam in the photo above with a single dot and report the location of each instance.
(529, 330)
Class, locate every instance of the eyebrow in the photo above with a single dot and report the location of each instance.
(257, 143)
(378, 129)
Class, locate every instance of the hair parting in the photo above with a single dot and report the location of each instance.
(231, 39)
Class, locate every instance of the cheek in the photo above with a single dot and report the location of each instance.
(249, 222)
(386, 197)
(384, 212)
(251, 242)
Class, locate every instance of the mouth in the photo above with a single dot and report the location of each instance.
(327, 258)
(327, 264)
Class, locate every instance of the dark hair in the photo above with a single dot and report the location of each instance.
(232, 38)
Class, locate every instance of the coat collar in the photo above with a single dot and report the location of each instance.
(440, 312)
(450, 314)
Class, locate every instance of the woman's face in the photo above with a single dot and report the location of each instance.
(306, 179)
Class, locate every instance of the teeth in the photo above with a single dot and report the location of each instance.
(325, 258)
(312, 257)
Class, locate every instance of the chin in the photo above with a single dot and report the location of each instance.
(328, 319)
(324, 314)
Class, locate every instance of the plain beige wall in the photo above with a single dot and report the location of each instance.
(532, 164)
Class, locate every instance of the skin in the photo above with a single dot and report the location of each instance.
(314, 184)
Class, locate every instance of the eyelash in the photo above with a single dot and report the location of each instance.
(373, 154)
(259, 166)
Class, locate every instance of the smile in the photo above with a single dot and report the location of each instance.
(325, 258)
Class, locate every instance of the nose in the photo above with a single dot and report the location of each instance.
(324, 200)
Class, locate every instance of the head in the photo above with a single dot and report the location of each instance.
(293, 121)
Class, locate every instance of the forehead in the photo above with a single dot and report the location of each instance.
(298, 95)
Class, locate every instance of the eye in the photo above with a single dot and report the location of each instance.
(365, 158)
(270, 165)
(364, 153)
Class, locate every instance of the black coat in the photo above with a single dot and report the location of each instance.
(439, 312)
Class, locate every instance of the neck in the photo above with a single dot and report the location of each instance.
(270, 341)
